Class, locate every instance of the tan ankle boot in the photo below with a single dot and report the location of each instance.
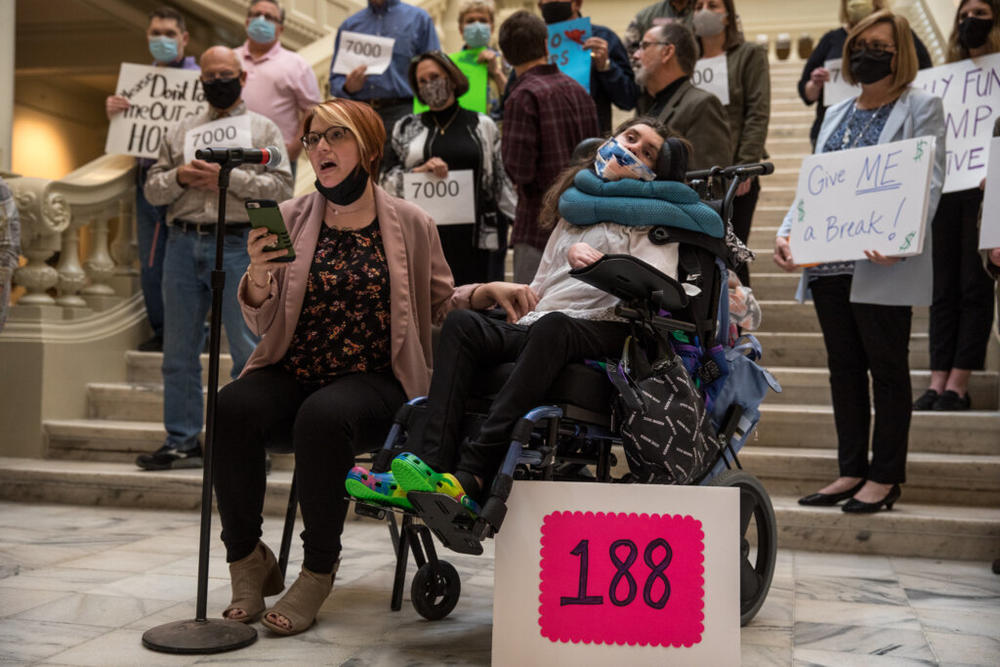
(252, 578)
(301, 603)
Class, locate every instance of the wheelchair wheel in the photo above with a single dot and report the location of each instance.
(758, 540)
(435, 590)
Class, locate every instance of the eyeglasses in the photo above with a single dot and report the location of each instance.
(876, 48)
(645, 45)
(332, 134)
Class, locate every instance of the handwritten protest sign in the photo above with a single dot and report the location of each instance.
(989, 230)
(358, 49)
(871, 198)
(836, 89)
(160, 97)
(566, 49)
(450, 201)
(712, 75)
(591, 575)
(232, 132)
(475, 98)
(970, 91)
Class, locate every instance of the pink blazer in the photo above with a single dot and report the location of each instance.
(421, 288)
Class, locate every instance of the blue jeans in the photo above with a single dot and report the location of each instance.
(187, 298)
(151, 236)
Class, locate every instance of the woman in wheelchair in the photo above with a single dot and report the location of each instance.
(346, 339)
(572, 321)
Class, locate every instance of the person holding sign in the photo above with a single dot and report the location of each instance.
(962, 311)
(345, 339)
(749, 107)
(815, 73)
(475, 21)
(167, 38)
(865, 308)
(411, 32)
(446, 139)
(189, 188)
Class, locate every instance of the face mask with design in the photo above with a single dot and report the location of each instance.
(222, 93)
(973, 32)
(557, 12)
(869, 67)
(708, 23)
(435, 92)
(163, 49)
(614, 162)
(858, 9)
(476, 35)
(261, 30)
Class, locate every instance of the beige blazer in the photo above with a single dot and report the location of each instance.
(421, 289)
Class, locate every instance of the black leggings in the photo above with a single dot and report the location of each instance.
(471, 343)
(328, 426)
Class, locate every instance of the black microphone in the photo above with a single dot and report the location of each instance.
(233, 157)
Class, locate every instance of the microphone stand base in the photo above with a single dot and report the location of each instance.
(215, 635)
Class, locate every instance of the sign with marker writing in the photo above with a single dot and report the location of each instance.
(836, 89)
(566, 40)
(970, 91)
(159, 98)
(474, 99)
(712, 75)
(587, 575)
(871, 198)
(232, 132)
(989, 229)
(358, 49)
(450, 200)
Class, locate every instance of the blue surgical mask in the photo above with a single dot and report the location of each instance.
(261, 30)
(476, 34)
(163, 49)
(613, 152)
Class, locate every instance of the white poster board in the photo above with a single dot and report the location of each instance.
(970, 91)
(560, 599)
(836, 89)
(989, 230)
(871, 198)
(357, 48)
(160, 98)
(450, 200)
(712, 75)
(232, 132)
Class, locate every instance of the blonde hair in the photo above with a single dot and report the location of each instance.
(878, 6)
(958, 52)
(362, 122)
(906, 53)
(467, 6)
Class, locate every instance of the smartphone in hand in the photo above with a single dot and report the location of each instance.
(265, 213)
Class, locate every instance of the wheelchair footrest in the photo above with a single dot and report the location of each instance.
(448, 519)
(370, 511)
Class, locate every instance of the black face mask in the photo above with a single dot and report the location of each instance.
(973, 32)
(348, 190)
(557, 12)
(222, 93)
(869, 67)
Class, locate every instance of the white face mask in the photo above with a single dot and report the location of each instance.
(859, 9)
(708, 23)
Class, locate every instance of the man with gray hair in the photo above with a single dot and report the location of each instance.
(663, 64)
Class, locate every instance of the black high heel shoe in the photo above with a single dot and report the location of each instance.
(856, 506)
(827, 499)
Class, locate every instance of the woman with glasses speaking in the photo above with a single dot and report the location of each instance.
(865, 307)
(345, 339)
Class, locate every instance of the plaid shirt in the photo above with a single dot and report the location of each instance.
(546, 115)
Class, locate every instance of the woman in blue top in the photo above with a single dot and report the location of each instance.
(864, 307)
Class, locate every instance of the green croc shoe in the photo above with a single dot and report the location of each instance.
(379, 488)
(414, 475)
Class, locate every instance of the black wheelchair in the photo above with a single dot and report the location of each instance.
(571, 436)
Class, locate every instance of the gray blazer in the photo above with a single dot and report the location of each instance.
(906, 283)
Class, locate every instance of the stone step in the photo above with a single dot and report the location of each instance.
(762, 234)
(777, 195)
(771, 285)
(911, 529)
(811, 386)
(794, 427)
(789, 144)
(793, 127)
(938, 479)
(807, 349)
(769, 216)
(144, 367)
(791, 316)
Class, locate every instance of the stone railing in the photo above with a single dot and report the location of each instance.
(925, 18)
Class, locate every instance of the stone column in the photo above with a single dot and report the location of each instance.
(6, 82)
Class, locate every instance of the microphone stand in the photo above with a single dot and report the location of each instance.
(203, 635)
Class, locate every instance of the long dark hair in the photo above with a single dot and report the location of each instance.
(958, 52)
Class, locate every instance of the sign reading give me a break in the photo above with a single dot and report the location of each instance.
(871, 198)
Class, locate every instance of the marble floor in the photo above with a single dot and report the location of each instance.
(79, 586)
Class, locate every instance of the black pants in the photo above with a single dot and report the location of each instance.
(328, 426)
(470, 343)
(863, 337)
(743, 209)
(962, 310)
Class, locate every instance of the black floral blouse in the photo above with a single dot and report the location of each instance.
(344, 324)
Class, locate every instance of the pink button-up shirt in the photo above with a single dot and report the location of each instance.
(280, 85)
